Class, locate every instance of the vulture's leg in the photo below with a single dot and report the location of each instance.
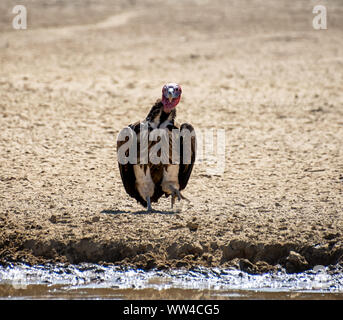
(176, 194)
(149, 204)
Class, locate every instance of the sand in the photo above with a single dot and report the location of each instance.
(257, 69)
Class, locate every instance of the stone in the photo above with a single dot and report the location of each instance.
(246, 265)
(295, 262)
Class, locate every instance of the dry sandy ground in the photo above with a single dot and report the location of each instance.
(85, 69)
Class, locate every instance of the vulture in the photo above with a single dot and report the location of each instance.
(147, 178)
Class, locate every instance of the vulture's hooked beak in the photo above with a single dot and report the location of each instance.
(170, 94)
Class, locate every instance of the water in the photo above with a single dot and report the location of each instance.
(92, 281)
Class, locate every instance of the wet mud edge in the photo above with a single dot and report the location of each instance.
(244, 255)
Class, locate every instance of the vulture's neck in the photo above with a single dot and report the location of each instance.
(157, 116)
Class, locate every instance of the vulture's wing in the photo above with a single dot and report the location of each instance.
(126, 170)
(186, 165)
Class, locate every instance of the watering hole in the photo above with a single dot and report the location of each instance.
(93, 281)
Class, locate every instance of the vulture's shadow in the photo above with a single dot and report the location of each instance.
(109, 211)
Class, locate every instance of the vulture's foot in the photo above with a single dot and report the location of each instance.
(149, 209)
(176, 194)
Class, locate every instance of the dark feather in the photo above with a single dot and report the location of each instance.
(185, 169)
(157, 115)
(127, 173)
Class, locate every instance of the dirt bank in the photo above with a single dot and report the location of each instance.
(81, 72)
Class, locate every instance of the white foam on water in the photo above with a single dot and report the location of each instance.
(73, 278)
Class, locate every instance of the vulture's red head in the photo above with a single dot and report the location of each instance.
(171, 94)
